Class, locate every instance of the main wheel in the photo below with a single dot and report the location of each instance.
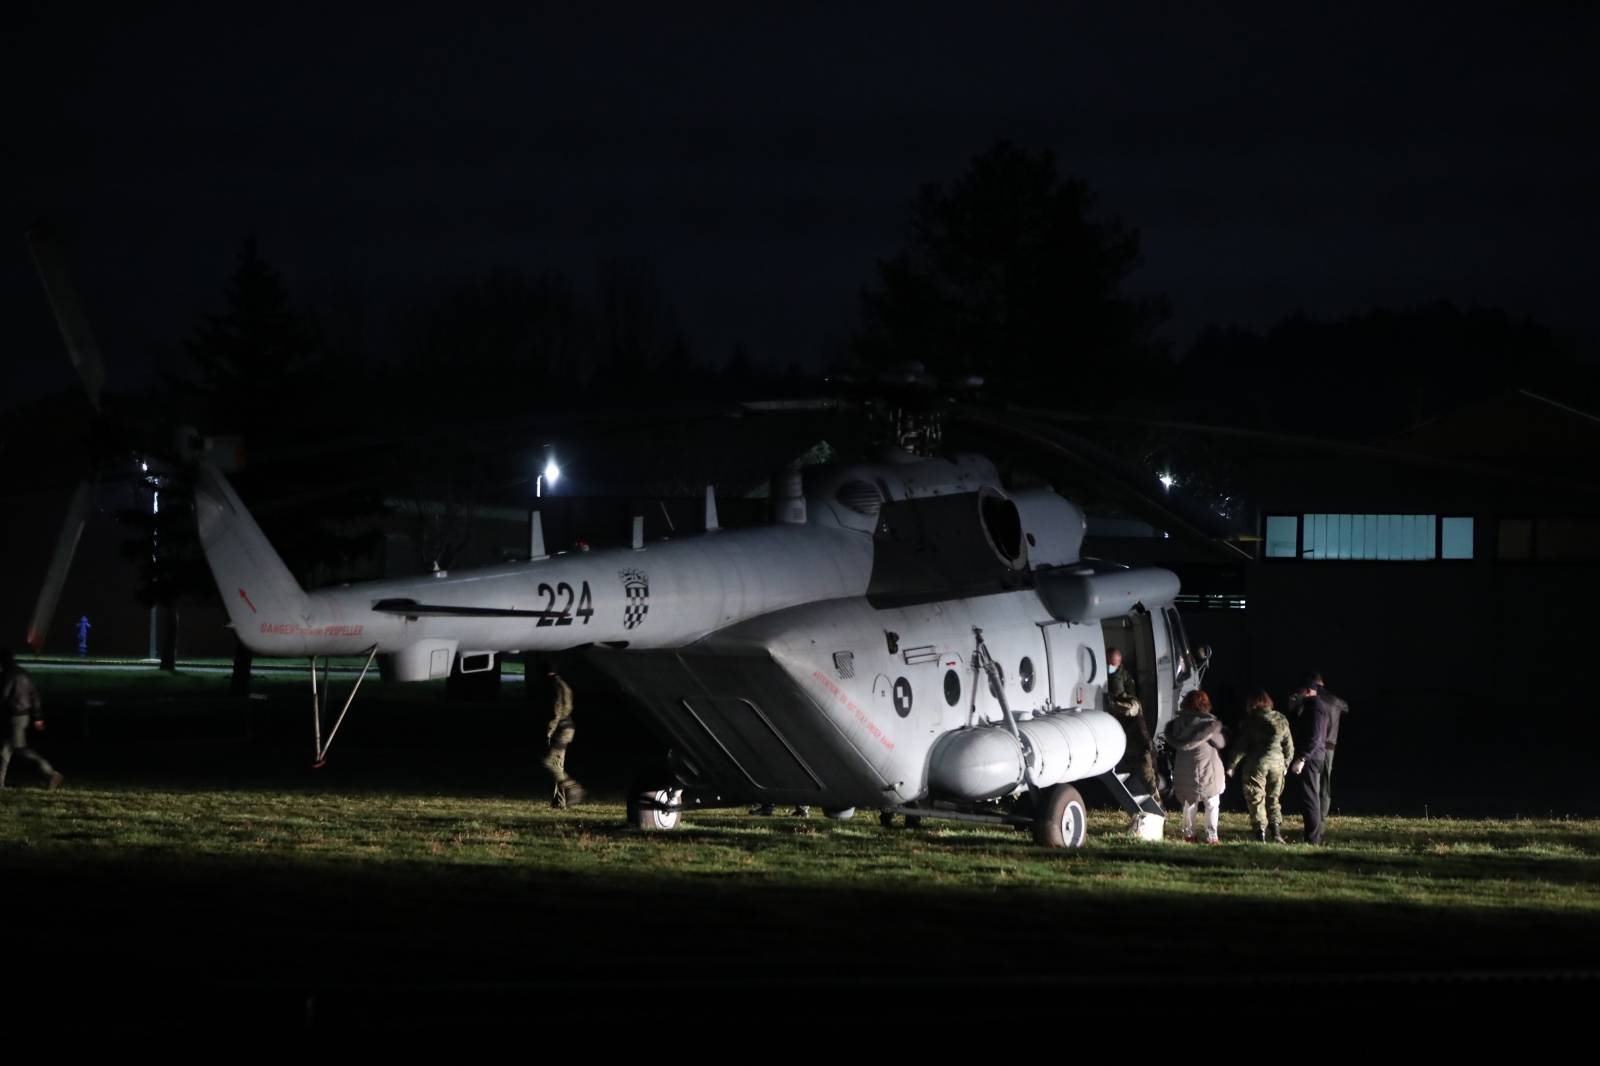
(1062, 820)
(657, 809)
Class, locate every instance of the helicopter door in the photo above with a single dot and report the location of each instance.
(1074, 664)
(1165, 678)
(1145, 651)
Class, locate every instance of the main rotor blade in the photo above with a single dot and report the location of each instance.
(51, 263)
(1108, 475)
(60, 562)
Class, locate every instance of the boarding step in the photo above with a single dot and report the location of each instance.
(1116, 783)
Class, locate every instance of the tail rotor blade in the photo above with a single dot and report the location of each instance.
(60, 562)
(51, 263)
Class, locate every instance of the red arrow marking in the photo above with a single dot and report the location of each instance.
(245, 597)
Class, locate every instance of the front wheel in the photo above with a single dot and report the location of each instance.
(1062, 820)
(658, 809)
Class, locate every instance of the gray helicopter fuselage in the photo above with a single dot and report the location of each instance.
(831, 658)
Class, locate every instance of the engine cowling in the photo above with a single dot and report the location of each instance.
(947, 547)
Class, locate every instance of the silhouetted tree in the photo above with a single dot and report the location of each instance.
(254, 357)
(488, 344)
(1006, 273)
(1367, 374)
(261, 371)
(639, 333)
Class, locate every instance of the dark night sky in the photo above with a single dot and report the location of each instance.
(762, 162)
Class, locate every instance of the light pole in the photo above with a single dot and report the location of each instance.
(153, 482)
(552, 474)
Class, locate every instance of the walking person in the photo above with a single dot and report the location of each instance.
(1266, 752)
(1198, 777)
(1337, 709)
(566, 791)
(19, 698)
(1314, 718)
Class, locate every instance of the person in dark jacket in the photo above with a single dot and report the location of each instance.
(1198, 777)
(19, 699)
(1313, 747)
(1337, 709)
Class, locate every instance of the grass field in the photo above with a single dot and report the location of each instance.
(283, 889)
(187, 859)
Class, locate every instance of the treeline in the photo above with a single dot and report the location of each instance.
(1009, 272)
(493, 346)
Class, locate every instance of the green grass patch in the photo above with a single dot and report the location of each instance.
(1551, 866)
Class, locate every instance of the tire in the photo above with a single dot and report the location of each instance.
(655, 810)
(886, 819)
(1063, 820)
(840, 814)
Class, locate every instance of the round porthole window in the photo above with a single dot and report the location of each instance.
(952, 687)
(1025, 674)
(1088, 665)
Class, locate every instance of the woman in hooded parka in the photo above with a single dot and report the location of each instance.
(1197, 776)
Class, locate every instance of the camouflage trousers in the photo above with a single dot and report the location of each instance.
(15, 741)
(564, 788)
(1139, 764)
(1263, 789)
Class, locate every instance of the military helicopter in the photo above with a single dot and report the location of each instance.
(906, 636)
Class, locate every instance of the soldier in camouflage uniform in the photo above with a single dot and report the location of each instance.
(1122, 700)
(1266, 753)
(566, 791)
(19, 701)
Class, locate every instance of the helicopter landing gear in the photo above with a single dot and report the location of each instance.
(657, 809)
(319, 700)
(1062, 820)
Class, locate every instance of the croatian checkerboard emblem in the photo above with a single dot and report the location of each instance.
(637, 585)
(902, 697)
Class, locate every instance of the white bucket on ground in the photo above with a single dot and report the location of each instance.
(1148, 826)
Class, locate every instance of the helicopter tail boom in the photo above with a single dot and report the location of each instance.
(257, 588)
